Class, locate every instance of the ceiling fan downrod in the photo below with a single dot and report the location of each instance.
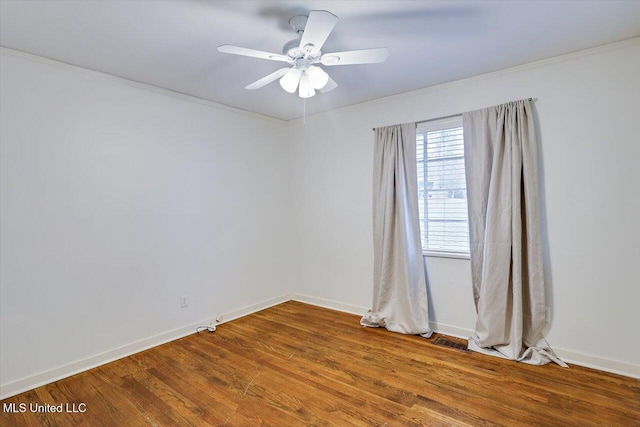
(292, 47)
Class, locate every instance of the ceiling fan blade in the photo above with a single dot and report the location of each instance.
(331, 85)
(364, 56)
(268, 79)
(236, 50)
(319, 25)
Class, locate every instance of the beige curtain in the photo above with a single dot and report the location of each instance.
(504, 233)
(399, 287)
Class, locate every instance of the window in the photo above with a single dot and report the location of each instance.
(442, 189)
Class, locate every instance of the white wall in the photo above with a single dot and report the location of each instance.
(117, 199)
(588, 105)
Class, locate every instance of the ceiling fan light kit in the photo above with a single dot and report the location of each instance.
(319, 78)
(304, 52)
(306, 88)
(289, 81)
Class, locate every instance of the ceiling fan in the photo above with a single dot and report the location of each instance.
(304, 53)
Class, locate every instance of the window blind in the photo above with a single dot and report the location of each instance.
(442, 190)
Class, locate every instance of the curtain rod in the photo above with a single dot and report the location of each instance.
(445, 117)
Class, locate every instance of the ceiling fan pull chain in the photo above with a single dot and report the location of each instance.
(304, 111)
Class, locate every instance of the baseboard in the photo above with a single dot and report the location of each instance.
(37, 380)
(333, 305)
(573, 357)
(600, 363)
(360, 310)
(253, 308)
(55, 374)
(452, 331)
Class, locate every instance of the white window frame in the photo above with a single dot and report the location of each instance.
(432, 126)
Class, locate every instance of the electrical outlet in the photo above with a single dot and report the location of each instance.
(547, 314)
(184, 302)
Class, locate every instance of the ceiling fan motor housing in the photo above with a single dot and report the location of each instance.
(304, 52)
(292, 47)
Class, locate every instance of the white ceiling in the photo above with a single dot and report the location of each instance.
(172, 44)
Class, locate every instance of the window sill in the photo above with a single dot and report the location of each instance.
(454, 255)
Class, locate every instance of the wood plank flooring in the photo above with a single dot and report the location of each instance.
(297, 364)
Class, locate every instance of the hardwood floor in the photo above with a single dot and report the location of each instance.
(297, 364)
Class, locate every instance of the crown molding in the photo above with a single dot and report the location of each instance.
(135, 84)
